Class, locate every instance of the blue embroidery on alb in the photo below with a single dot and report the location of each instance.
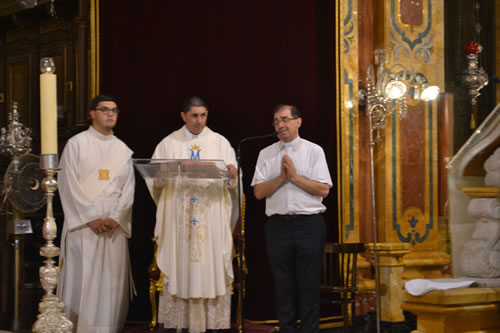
(194, 199)
(195, 152)
(194, 221)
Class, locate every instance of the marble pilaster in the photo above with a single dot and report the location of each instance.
(390, 270)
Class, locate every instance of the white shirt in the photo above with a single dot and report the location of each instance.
(309, 161)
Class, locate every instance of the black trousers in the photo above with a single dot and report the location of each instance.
(295, 246)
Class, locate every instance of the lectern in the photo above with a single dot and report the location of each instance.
(161, 171)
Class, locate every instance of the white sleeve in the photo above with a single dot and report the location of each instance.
(259, 175)
(78, 209)
(122, 213)
(230, 158)
(155, 187)
(319, 170)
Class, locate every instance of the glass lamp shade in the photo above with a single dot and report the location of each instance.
(429, 93)
(47, 65)
(395, 89)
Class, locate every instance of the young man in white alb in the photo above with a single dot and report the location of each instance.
(96, 186)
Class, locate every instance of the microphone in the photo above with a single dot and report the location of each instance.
(273, 134)
(240, 236)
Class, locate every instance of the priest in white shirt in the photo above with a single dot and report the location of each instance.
(292, 175)
(194, 224)
(96, 186)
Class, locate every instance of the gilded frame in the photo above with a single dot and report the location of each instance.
(346, 109)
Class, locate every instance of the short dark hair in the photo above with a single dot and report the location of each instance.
(293, 110)
(193, 101)
(100, 98)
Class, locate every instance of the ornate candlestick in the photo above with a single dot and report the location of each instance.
(15, 140)
(51, 317)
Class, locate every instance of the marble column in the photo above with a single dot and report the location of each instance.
(390, 269)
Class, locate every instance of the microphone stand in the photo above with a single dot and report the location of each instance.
(240, 233)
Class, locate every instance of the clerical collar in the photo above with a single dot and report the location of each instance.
(100, 135)
(290, 145)
(190, 135)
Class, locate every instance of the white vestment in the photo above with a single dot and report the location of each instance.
(194, 223)
(96, 181)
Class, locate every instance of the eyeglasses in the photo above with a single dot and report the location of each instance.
(282, 119)
(108, 111)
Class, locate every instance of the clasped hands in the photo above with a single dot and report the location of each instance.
(288, 172)
(100, 226)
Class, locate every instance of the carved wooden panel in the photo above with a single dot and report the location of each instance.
(19, 87)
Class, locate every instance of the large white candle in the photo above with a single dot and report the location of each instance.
(48, 106)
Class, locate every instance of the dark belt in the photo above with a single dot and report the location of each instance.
(290, 217)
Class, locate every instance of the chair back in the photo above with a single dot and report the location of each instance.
(339, 277)
(339, 266)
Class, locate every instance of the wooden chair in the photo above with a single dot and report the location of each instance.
(155, 286)
(339, 277)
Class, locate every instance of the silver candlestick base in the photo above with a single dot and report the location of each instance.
(51, 317)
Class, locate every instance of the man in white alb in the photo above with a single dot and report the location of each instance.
(194, 223)
(292, 174)
(96, 186)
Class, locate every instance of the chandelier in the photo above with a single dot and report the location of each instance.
(392, 85)
(15, 140)
(27, 4)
